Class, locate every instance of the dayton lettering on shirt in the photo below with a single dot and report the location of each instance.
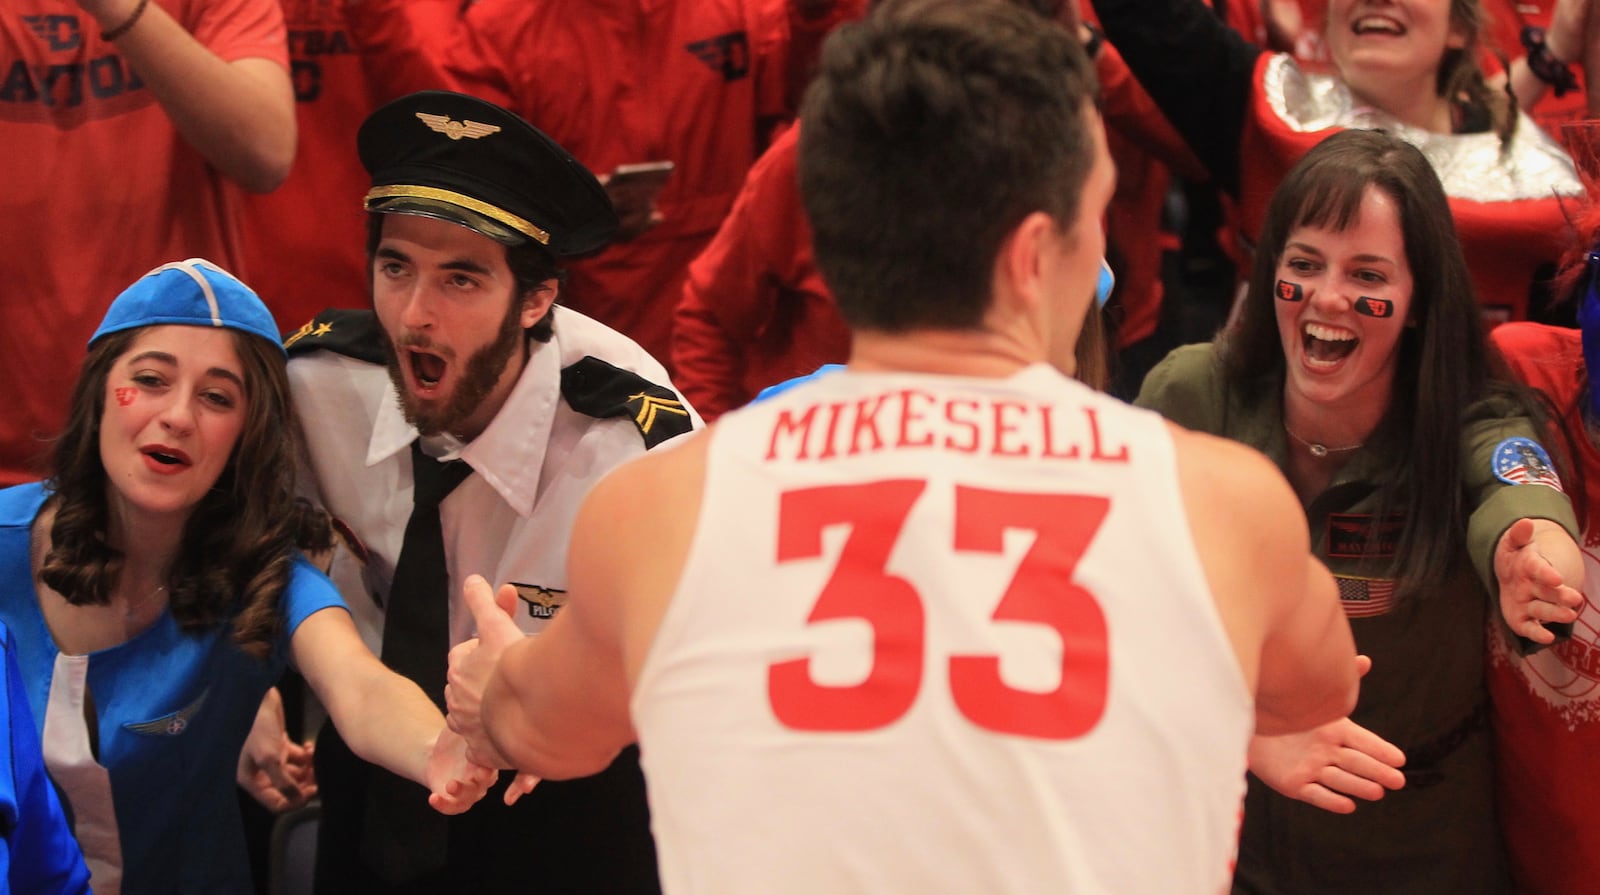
(72, 88)
(908, 419)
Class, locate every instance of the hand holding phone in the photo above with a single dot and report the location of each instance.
(633, 189)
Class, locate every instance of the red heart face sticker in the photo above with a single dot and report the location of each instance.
(125, 395)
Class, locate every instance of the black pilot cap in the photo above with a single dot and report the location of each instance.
(461, 159)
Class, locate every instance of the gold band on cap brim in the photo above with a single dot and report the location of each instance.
(500, 215)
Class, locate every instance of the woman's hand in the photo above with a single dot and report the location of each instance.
(455, 783)
(1528, 562)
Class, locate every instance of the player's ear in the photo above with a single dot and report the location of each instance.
(1019, 264)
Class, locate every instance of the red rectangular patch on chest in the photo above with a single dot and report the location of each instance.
(1362, 536)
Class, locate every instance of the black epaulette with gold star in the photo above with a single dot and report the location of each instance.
(596, 388)
(352, 333)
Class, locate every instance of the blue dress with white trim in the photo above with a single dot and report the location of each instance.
(151, 793)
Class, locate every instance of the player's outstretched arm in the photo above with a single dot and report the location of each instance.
(557, 704)
(384, 717)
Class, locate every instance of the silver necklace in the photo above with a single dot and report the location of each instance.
(1318, 449)
(129, 610)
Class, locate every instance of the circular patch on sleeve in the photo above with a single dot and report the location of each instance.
(1523, 461)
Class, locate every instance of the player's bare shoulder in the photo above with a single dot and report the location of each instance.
(632, 536)
(666, 479)
(1251, 537)
(1245, 519)
(1224, 478)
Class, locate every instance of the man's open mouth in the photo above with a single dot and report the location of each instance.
(428, 369)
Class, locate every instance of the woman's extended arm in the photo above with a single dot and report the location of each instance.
(383, 717)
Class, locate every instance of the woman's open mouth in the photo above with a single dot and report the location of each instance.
(1377, 25)
(1326, 345)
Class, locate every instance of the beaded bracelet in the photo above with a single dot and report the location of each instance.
(1544, 64)
(133, 19)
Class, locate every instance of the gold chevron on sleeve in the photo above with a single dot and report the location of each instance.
(650, 405)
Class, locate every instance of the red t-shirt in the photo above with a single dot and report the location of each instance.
(305, 242)
(1547, 706)
(627, 81)
(102, 190)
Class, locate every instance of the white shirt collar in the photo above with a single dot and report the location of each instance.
(509, 454)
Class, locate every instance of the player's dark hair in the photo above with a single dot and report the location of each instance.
(932, 129)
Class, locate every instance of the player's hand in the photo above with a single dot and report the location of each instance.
(472, 662)
(454, 782)
(1327, 765)
(1532, 590)
(274, 769)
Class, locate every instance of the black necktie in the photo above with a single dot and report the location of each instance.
(416, 618)
(403, 837)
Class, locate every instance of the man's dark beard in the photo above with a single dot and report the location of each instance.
(477, 379)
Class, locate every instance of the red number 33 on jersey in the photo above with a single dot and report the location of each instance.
(1042, 592)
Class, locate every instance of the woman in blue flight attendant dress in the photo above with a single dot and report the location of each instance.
(154, 592)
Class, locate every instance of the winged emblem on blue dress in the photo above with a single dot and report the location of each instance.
(173, 724)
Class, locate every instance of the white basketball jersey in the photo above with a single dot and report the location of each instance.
(940, 634)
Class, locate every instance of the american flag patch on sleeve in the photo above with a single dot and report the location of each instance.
(1523, 461)
(1365, 597)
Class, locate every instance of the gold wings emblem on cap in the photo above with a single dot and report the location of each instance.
(455, 130)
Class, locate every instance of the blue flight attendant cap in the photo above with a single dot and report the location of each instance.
(195, 292)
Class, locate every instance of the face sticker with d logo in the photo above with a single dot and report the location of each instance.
(1288, 291)
(1374, 307)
